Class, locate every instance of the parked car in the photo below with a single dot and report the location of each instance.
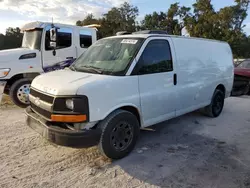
(127, 82)
(18, 67)
(242, 78)
(238, 61)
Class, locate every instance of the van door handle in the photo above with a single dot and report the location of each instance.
(175, 79)
(69, 58)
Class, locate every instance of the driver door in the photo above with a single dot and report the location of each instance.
(156, 72)
(65, 52)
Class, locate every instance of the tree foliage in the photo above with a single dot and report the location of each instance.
(200, 20)
(116, 19)
(12, 38)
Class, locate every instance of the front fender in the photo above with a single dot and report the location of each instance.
(122, 106)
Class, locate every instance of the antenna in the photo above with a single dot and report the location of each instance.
(52, 25)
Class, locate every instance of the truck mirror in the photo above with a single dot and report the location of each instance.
(53, 33)
(53, 37)
(52, 44)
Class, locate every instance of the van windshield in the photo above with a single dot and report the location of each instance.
(111, 56)
(32, 39)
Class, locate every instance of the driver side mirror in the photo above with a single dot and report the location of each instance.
(53, 37)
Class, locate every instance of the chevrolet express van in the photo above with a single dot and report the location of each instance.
(127, 82)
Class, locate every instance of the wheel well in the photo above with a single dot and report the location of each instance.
(134, 111)
(221, 88)
(13, 79)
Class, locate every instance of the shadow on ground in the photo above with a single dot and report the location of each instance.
(174, 156)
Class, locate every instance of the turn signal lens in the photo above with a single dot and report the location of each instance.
(4, 72)
(69, 118)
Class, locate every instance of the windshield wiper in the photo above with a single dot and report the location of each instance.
(92, 69)
(72, 68)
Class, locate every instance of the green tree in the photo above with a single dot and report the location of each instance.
(2, 41)
(90, 19)
(121, 18)
(172, 21)
(203, 21)
(118, 19)
(154, 21)
(12, 38)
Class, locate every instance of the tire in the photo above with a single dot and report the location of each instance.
(217, 104)
(120, 131)
(19, 92)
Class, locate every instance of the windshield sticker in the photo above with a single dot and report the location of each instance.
(129, 41)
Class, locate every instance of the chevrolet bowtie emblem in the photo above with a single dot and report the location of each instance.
(37, 101)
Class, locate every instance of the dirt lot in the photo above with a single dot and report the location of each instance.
(189, 151)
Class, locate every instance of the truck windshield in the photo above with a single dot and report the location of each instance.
(111, 56)
(32, 39)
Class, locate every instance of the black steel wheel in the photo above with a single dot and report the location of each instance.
(120, 131)
(217, 104)
(121, 136)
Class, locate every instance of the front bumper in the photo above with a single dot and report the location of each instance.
(2, 86)
(62, 136)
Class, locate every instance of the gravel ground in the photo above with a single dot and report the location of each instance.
(189, 151)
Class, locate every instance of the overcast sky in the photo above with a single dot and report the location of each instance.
(14, 13)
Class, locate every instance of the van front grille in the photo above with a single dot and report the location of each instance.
(41, 96)
(40, 111)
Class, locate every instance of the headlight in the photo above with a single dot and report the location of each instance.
(4, 72)
(70, 104)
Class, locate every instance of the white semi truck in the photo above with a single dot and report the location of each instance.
(38, 54)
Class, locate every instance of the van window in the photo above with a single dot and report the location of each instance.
(64, 38)
(85, 38)
(156, 58)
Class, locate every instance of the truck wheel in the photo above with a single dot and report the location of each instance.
(120, 131)
(19, 92)
(217, 104)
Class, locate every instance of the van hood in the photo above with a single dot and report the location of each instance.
(65, 82)
(14, 54)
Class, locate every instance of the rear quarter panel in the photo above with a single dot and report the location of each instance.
(203, 65)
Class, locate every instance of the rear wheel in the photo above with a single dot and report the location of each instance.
(19, 92)
(247, 90)
(120, 131)
(217, 104)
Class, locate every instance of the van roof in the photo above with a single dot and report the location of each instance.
(162, 35)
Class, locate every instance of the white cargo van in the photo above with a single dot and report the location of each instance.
(19, 66)
(127, 82)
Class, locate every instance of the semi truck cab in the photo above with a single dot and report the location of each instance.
(38, 54)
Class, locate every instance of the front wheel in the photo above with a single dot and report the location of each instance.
(120, 131)
(19, 92)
